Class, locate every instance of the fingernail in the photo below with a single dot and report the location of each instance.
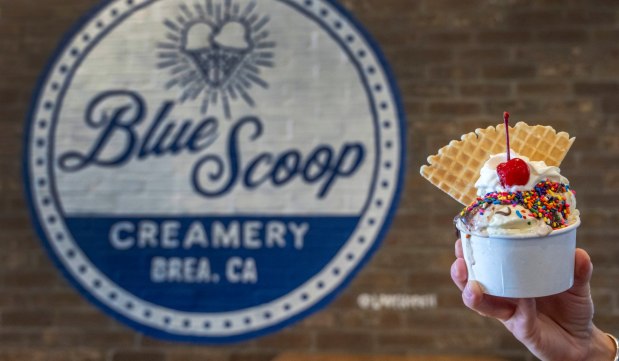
(468, 292)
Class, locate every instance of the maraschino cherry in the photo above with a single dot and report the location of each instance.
(514, 171)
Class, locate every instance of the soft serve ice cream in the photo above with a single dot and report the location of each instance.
(539, 204)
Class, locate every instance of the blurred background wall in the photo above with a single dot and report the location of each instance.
(459, 64)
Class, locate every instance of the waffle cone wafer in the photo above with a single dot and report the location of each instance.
(456, 166)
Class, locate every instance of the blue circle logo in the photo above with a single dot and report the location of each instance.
(213, 170)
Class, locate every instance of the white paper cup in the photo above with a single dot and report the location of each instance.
(522, 266)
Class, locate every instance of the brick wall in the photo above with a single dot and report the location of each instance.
(459, 64)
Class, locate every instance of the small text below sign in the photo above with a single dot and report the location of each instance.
(397, 301)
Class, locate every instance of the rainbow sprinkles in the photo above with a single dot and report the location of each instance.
(545, 202)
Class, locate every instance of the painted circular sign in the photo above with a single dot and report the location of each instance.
(212, 170)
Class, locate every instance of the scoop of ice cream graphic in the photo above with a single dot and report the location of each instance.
(217, 53)
(198, 37)
(232, 35)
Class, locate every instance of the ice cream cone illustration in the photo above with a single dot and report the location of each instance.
(217, 54)
(217, 59)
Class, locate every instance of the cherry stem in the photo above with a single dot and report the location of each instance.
(506, 121)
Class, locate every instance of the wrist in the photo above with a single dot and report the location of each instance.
(602, 347)
(616, 343)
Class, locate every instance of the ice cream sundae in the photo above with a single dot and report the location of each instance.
(518, 227)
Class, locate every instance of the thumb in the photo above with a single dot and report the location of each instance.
(583, 268)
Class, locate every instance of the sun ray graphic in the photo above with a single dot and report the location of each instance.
(215, 52)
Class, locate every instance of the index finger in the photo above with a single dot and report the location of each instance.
(459, 252)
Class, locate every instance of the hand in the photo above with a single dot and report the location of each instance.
(553, 328)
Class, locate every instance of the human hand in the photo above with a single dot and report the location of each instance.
(554, 328)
